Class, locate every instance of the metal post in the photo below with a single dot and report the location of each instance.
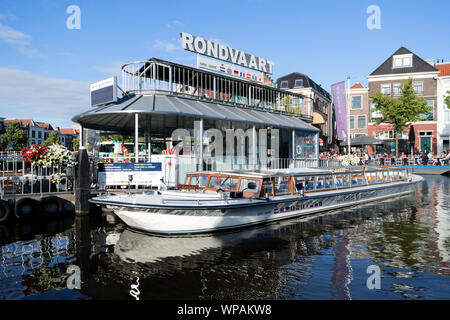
(136, 139)
(348, 114)
(81, 137)
(201, 144)
(255, 144)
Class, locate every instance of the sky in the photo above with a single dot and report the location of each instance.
(46, 68)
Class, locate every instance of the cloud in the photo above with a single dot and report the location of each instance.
(25, 94)
(115, 68)
(173, 24)
(166, 45)
(18, 40)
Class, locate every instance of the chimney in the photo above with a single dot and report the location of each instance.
(431, 62)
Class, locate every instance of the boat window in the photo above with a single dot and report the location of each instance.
(299, 184)
(329, 183)
(249, 185)
(214, 182)
(320, 183)
(229, 183)
(282, 185)
(267, 187)
(309, 183)
(199, 181)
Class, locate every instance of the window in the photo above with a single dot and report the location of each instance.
(33, 134)
(397, 90)
(446, 113)
(356, 102)
(418, 87)
(402, 61)
(299, 83)
(429, 115)
(199, 181)
(386, 89)
(374, 114)
(283, 84)
(361, 122)
(352, 122)
(247, 184)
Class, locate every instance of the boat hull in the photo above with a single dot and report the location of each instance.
(192, 221)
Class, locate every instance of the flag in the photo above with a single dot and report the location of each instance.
(340, 107)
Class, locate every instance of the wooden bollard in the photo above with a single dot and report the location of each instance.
(82, 183)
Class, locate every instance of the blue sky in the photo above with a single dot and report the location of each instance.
(45, 68)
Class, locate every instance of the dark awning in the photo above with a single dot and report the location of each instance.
(118, 116)
(364, 140)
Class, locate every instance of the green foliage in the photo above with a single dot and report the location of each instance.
(53, 138)
(398, 112)
(76, 143)
(16, 135)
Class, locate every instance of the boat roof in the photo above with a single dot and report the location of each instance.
(268, 173)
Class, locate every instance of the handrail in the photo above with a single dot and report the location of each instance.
(149, 77)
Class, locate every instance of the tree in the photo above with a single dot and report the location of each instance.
(52, 139)
(15, 135)
(398, 112)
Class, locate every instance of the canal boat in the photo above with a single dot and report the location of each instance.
(215, 201)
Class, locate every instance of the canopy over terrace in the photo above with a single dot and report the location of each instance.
(160, 96)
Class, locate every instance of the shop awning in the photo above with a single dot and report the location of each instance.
(118, 116)
(318, 118)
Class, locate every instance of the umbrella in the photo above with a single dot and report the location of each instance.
(364, 141)
(412, 135)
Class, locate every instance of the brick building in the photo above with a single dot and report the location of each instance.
(387, 78)
(320, 100)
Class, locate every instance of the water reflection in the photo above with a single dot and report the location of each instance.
(321, 257)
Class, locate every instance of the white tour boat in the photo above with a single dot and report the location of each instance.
(215, 201)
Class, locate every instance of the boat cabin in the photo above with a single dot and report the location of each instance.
(269, 183)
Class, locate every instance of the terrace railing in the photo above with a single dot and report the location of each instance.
(20, 178)
(150, 77)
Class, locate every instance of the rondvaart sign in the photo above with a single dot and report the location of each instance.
(223, 52)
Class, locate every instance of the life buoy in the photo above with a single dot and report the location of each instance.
(4, 211)
(25, 208)
(51, 207)
(126, 154)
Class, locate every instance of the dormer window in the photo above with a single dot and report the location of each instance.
(283, 84)
(402, 61)
(298, 83)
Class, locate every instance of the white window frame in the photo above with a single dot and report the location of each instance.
(350, 123)
(281, 84)
(414, 87)
(385, 85)
(360, 107)
(398, 84)
(365, 121)
(374, 114)
(402, 58)
(298, 86)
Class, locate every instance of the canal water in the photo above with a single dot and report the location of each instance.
(396, 249)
